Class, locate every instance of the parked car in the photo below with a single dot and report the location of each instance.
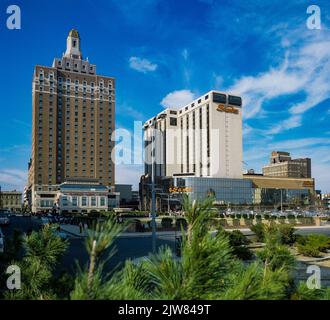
(63, 235)
(2, 242)
(44, 221)
(4, 220)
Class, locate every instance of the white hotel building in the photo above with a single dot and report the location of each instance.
(199, 147)
(201, 139)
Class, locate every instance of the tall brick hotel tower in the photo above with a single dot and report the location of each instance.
(72, 123)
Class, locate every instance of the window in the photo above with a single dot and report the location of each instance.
(93, 201)
(219, 97)
(173, 121)
(74, 201)
(102, 201)
(236, 101)
(84, 201)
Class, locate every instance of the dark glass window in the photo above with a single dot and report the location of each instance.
(173, 121)
(236, 101)
(219, 97)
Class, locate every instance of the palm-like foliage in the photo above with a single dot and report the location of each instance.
(207, 269)
(88, 284)
(42, 252)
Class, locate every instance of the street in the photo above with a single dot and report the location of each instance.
(132, 247)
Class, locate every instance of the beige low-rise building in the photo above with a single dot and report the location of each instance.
(11, 200)
(282, 165)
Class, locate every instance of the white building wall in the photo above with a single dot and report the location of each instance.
(225, 141)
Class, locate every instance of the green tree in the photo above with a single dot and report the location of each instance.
(42, 251)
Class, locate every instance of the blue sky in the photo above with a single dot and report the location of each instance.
(167, 52)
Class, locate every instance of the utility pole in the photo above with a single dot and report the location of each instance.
(153, 192)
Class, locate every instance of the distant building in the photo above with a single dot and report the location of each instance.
(82, 197)
(11, 200)
(267, 190)
(326, 200)
(128, 197)
(282, 165)
(125, 191)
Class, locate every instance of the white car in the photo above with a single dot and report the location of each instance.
(1, 242)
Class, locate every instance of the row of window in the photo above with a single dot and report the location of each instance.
(101, 83)
(84, 201)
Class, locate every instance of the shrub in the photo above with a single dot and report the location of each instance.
(308, 250)
(258, 217)
(181, 222)
(259, 230)
(313, 244)
(223, 222)
(287, 235)
(221, 215)
(236, 222)
(266, 216)
(167, 222)
(239, 243)
(238, 216)
(277, 256)
(245, 216)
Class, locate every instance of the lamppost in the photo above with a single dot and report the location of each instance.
(153, 193)
(0, 198)
(281, 200)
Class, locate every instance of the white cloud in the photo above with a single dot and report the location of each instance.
(142, 65)
(130, 111)
(304, 70)
(300, 143)
(13, 179)
(177, 99)
(317, 148)
(290, 123)
(217, 81)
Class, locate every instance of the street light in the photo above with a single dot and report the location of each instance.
(153, 193)
(281, 200)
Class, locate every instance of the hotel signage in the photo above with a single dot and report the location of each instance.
(308, 184)
(227, 109)
(179, 189)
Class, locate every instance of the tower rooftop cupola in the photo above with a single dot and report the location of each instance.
(73, 45)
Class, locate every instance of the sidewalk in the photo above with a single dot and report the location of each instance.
(74, 230)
